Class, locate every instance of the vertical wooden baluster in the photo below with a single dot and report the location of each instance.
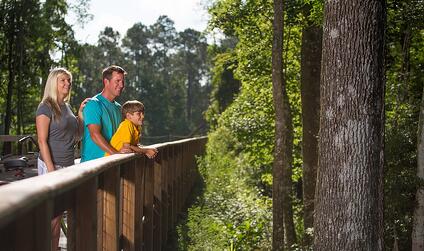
(165, 200)
(31, 231)
(132, 207)
(157, 216)
(82, 218)
(148, 205)
(111, 192)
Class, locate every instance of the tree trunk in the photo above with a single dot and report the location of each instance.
(310, 84)
(402, 94)
(282, 185)
(418, 225)
(349, 191)
(189, 102)
(7, 147)
(277, 92)
(20, 51)
(289, 229)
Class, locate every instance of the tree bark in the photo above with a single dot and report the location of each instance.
(310, 84)
(418, 224)
(11, 37)
(282, 184)
(277, 92)
(349, 191)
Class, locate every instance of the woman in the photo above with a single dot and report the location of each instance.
(57, 130)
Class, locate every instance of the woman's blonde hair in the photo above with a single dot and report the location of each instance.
(50, 90)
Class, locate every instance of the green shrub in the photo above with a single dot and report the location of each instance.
(230, 214)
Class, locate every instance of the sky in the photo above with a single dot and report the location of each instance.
(122, 14)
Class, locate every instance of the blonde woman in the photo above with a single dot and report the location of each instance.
(57, 130)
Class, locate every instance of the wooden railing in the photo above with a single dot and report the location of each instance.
(118, 202)
(9, 144)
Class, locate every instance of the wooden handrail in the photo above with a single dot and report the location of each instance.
(123, 201)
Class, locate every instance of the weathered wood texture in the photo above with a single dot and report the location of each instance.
(118, 202)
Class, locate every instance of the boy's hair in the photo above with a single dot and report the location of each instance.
(107, 72)
(131, 107)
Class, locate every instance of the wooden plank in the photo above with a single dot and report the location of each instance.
(157, 219)
(111, 191)
(132, 207)
(141, 164)
(43, 216)
(157, 169)
(186, 172)
(180, 184)
(82, 218)
(174, 191)
(24, 236)
(148, 205)
(11, 138)
(7, 238)
(128, 206)
(165, 199)
(157, 236)
(100, 211)
(32, 225)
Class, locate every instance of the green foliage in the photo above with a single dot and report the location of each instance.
(250, 116)
(166, 70)
(231, 214)
(30, 31)
(246, 123)
(224, 85)
(404, 85)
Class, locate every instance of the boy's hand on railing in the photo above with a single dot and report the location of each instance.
(150, 152)
(126, 148)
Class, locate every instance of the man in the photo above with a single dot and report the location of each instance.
(102, 116)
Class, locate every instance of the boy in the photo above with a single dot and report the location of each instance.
(128, 133)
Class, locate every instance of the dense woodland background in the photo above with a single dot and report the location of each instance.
(168, 70)
(190, 87)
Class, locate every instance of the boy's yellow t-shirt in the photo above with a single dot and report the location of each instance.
(127, 133)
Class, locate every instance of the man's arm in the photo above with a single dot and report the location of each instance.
(97, 137)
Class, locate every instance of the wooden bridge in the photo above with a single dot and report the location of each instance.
(120, 202)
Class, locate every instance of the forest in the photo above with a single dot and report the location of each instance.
(167, 69)
(282, 95)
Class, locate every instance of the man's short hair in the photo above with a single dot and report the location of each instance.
(107, 72)
(131, 107)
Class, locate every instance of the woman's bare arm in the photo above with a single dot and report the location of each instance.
(42, 122)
